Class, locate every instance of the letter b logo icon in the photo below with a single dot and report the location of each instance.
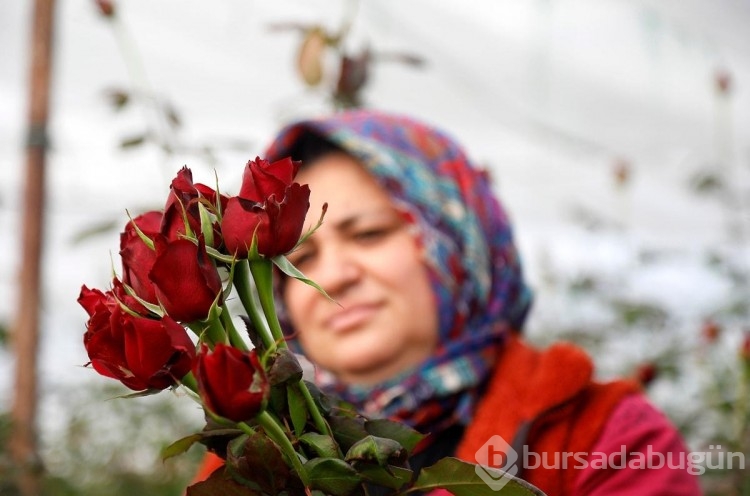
(496, 454)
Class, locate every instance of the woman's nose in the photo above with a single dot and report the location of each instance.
(337, 271)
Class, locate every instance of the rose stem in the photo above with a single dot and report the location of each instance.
(241, 280)
(262, 271)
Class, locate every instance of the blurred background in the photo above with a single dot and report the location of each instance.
(616, 133)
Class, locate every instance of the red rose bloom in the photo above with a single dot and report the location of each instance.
(231, 382)
(137, 257)
(140, 352)
(185, 280)
(262, 179)
(269, 206)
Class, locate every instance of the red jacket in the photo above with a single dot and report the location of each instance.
(547, 404)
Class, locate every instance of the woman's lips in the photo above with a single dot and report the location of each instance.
(351, 317)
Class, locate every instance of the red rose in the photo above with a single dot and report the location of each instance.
(745, 346)
(137, 257)
(270, 206)
(140, 352)
(106, 7)
(183, 200)
(232, 383)
(185, 280)
(92, 300)
(278, 225)
(646, 373)
(262, 179)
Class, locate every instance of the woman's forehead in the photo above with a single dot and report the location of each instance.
(344, 184)
(349, 219)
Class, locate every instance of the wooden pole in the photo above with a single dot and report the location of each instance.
(25, 330)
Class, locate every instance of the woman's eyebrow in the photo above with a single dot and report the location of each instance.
(349, 221)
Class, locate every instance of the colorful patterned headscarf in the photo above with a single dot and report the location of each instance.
(468, 248)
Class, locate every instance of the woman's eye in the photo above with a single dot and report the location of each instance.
(370, 234)
(300, 258)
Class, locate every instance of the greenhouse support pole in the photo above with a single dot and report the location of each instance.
(25, 328)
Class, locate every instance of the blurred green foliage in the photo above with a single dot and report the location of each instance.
(99, 444)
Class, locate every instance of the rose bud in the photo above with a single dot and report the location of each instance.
(231, 383)
(745, 347)
(711, 330)
(622, 170)
(261, 179)
(141, 353)
(179, 202)
(106, 8)
(137, 257)
(185, 279)
(184, 198)
(277, 224)
(723, 81)
(646, 373)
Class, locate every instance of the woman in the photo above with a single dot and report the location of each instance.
(419, 254)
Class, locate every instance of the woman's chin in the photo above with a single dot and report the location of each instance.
(364, 365)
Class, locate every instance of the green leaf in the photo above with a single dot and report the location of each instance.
(256, 461)
(297, 408)
(180, 446)
(287, 268)
(171, 114)
(705, 182)
(403, 434)
(155, 309)
(134, 141)
(634, 313)
(320, 444)
(189, 234)
(118, 98)
(347, 430)
(138, 394)
(103, 227)
(252, 251)
(207, 227)
(218, 431)
(332, 476)
(217, 205)
(216, 437)
(390, 476)
(322, 401)
(463, 479)
(277, 400)
(312, 230)
(220, 483)
(217, 255)
(4, 334)
(380, 450)
(148, 241)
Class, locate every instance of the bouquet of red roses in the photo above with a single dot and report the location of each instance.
(277, 433)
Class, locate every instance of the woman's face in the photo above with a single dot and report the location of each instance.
(368, 260)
